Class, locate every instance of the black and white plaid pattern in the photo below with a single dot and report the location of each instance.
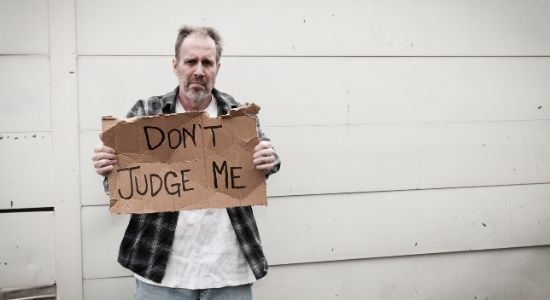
(148, 239)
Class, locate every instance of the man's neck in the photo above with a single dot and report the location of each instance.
(190, 105)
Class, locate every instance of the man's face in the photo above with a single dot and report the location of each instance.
(196, 67)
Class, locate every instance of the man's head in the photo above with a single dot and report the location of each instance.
(197, 62)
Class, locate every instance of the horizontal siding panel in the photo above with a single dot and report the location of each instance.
(323, 91)
(506, 275)
(408, 156)
(27, 249)
(24, 26)
(396, 27)
(24, 93)
(351, 226)
(324, 228)
(27, 170)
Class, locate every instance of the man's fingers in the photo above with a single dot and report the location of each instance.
(264, 163)
(103, 155)
(264, 156)
(104, 171)
(104, 158)
(264, 160)
(102, 148)
(103, 163)
(265, 167)
(104, 166)
(263, 153)
(262, 145)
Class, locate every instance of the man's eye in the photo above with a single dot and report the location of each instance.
(207, 63)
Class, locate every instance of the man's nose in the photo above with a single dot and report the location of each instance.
(199, 71)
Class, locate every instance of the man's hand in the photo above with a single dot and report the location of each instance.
(104, 159)
(264, 156)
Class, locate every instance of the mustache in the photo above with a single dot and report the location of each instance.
(203, 82)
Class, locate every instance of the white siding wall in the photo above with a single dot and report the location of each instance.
(414, 138)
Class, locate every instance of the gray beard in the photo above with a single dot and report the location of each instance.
(197, 97)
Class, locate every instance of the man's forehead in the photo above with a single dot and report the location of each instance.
(198, 42)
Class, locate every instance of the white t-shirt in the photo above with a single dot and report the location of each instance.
(205, 253)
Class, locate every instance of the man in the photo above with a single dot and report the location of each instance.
(204, 254)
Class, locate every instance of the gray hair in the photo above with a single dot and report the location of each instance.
(186, 31)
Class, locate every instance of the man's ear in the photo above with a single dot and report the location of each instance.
(174, 65)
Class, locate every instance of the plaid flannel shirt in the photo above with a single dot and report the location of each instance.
(148, 239)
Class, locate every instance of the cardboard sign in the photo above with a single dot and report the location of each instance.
(184, 161)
